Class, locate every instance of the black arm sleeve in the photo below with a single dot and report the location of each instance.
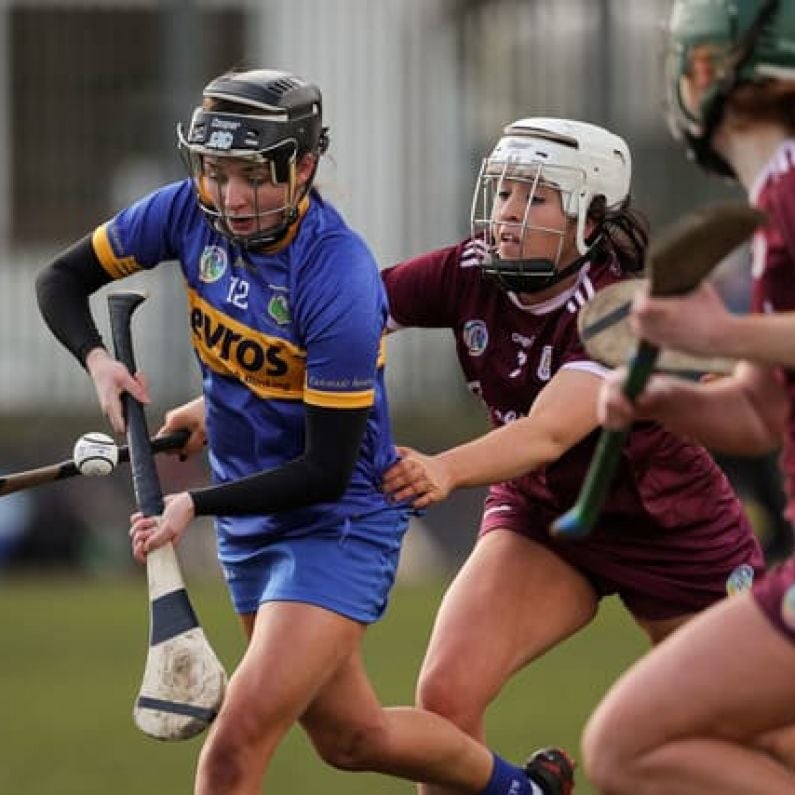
(321, 474)
(62, 291)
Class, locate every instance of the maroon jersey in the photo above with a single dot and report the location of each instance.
(773, 269)
(671, 531)
(509, 352)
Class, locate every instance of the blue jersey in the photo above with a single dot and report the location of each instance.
(273, 331)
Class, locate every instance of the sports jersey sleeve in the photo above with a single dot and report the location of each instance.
(146, 233)
(423, 291)
(139, 237)
(574, 355)
(341, 309)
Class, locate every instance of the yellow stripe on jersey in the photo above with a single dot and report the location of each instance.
(381, 352)
(340, 400)
(116, 267)
(269, 366)
(347, 400)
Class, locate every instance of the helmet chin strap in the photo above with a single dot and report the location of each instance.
(264, 241)
(531, 275)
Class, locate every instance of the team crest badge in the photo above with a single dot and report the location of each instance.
(279, 309)
(212, 264)
(475, 336)
(740, 580)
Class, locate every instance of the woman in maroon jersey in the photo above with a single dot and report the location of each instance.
(551, 225)
(712, 710)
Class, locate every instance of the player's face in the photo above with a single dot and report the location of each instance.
(529, 223)
(702, 67)
(244, 193)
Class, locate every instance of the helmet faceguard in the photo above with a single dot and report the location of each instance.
(268, 118)
(713, 47)
(578, 160)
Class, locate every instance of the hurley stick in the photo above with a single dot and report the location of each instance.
(184, 682)
(605, 331)
(29, 478)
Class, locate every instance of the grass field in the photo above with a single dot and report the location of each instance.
(72, 655)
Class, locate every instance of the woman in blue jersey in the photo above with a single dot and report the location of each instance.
(286, 311)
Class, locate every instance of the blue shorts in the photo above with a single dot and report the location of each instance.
(348, 568)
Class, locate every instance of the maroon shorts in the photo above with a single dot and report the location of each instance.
(658, 572)
(775, 594)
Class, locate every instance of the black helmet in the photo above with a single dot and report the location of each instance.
(265, 115)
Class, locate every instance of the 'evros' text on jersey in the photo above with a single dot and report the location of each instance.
(270, 366)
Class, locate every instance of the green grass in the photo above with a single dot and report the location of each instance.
(71, 659)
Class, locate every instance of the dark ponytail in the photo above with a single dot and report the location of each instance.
(623, 232)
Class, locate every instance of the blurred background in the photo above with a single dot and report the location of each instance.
(415, 93)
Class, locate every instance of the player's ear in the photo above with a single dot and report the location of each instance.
(305, 168)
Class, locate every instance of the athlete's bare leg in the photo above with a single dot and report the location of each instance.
(686, 717)
(304, 662)
(511, 601)
(351, 731)
(294, 649)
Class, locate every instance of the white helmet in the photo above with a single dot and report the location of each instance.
(581, 160)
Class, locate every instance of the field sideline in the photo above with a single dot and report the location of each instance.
(72, 658)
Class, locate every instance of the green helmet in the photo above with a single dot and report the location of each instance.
(714, 46)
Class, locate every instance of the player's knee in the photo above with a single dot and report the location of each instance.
(601, 759)
(352, 748)
(234, 746)
(439, 693)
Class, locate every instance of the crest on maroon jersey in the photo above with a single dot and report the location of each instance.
(475, 336)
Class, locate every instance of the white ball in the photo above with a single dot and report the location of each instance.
(95, 454)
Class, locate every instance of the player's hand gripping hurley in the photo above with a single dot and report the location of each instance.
(184, 682)
(679, 260)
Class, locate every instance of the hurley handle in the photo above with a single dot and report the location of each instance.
(146, 483)
(580, 519)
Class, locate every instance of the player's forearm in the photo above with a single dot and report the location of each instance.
(295, 485)
(722, 416)
(502, 454)
(322, 474)
(766, 339)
